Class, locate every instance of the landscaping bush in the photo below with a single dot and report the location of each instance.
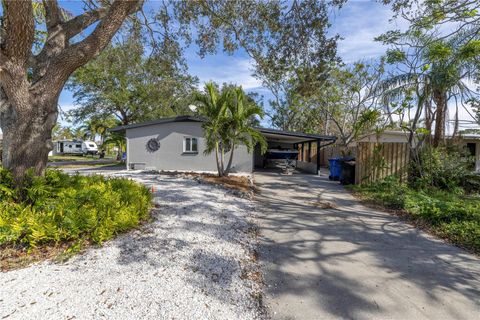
(443, 168)
(62, 208)
(453, 215)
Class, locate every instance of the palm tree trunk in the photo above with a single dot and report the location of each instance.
(222, 157)
(229, 165)
(219, 169)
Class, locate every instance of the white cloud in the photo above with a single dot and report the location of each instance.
(222, 68)
(358, 23)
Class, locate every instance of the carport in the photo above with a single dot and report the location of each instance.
(307, 145)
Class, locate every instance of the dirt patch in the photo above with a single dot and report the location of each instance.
(16, 257)
(242, 184)
(239, 183)
(323, 204)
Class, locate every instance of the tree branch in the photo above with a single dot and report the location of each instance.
(19, 31)
(80, 53)
(52, 14)
(86, 49)
(76, 25)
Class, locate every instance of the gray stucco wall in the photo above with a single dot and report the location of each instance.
(170, 156)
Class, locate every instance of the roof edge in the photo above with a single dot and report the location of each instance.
(158, 121)
(297, 134)
(203, 119)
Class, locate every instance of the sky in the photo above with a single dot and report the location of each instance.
(358, 23)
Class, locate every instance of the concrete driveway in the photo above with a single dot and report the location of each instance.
(325, 256)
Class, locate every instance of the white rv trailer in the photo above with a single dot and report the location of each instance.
(75, 147)
(89, 147)
(68, 147)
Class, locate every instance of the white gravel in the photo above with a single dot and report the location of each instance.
(185, 264)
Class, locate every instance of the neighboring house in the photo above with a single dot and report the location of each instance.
(471, 142)
(386, 136)
(379, 155)
(178, 144)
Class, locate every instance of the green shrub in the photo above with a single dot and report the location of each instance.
(388, 192)
(62, 208)
(443, 168)
(453, 215)
(471, 182)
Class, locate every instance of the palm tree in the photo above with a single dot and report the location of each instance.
(445, 65)
(228, 124)
(213, 107)
(238, 125)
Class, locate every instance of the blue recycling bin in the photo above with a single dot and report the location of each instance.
(335, 169)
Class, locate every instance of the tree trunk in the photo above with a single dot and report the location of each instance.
(229, 165)
(30, 84)
(456, 124)
(222, 159)
(27, 136)
(418, 113)
(428, 120)
(440, 99)
(219, 169)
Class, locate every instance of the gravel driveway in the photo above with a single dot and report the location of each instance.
(191, 262)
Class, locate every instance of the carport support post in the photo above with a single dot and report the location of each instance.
(309, 151)
(318, 156)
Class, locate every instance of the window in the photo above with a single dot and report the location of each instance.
(91, 145)
(78, 146)
(471, 148)
(190, 145)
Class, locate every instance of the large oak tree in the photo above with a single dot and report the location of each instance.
(276, 34)
(31, 83)
(132, 84)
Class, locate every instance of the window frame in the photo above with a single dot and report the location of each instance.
(191, 151)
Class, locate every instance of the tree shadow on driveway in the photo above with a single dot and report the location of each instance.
(354, 262)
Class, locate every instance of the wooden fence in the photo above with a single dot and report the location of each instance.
(375, 161)
(334, 151)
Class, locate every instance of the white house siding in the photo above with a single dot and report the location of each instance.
(170, 155)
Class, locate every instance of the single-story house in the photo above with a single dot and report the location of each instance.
(178, 144)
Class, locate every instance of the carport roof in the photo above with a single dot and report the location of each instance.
(266, 131)
(299, 135)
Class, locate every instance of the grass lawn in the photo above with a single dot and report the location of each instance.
(452, 216)
(70, 158)
(61, 165)
(66, 158)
